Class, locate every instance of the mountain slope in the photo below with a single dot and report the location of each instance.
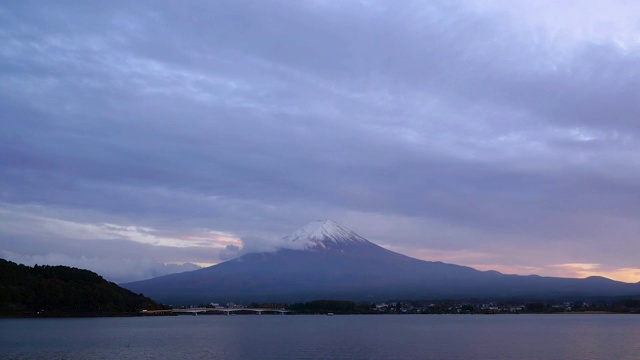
(328, 261)
(63, 291)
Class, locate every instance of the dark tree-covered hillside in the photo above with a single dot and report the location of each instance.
(64, 291)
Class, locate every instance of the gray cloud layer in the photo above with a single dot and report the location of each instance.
(465, 128)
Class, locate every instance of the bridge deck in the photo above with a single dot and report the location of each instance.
(214, 310)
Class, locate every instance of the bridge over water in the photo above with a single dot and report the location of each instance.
(226, 311)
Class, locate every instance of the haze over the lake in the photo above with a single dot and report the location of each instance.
(137, 136)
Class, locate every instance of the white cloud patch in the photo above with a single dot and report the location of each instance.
(118, 270)
(574, 21)
(20, 220)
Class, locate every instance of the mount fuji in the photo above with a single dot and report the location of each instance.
(324, 260)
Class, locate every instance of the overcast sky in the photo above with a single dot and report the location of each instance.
(138, 136)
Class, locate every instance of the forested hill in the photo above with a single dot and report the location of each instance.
(63, 291)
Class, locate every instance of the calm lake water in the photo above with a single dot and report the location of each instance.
(325, 337)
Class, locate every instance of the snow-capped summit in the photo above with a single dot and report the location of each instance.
(323, 234)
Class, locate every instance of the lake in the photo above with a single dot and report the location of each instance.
(494, 337)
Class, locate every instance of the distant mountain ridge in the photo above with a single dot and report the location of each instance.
(328, 261)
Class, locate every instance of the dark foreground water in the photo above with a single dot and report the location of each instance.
(325, 337)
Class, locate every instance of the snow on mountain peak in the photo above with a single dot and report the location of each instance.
(322, 234)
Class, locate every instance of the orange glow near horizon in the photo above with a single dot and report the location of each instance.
(479, 261)
(580, 271)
